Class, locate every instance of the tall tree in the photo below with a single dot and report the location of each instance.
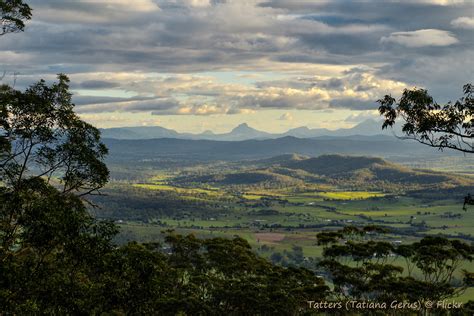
(44, 144)
(13, 14)
(49, 159)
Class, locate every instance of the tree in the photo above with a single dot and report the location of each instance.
(44, 143)
(225, 277)
(450, 126)
(49, 159)
(361, 270)
(13, 14)
(43, 137)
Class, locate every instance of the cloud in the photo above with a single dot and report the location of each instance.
(353, 103)
(362, 116)
(83, 100)
(463, 22)
(444, 2)
(197, 3)
(215, 57)
(130, 105)
(92, 11)
(434, 2)
(97, 84)
(205, 95)
(421, 38)
(203, 35)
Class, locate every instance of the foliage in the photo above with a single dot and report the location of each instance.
(449, 126)
(48, 159)
(361, 269)
(42, 136)
(13, 13)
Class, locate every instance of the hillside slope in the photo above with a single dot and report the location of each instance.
(348, 171)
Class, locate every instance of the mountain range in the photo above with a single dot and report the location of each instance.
(245, 132)
(154, 151)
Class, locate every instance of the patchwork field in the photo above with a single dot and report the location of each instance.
(280, 207)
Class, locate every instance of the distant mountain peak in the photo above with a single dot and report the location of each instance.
(242, 127)
(300, 129)
(208, 132)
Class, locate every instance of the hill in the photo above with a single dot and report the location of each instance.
(343, 171)
(250, 177)
(372, 169)
(334, 165)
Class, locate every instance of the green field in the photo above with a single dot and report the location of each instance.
(280, 215)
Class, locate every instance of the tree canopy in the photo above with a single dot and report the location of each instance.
(360, 264)
(13, 14)
(449, 126)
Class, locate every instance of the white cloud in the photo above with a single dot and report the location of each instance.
(362, 116)
(198, 3)
(136, 5)
(187, 94)
(445, 2)
(213, 57)
(463, 22)
(434, 2)
(421, 38)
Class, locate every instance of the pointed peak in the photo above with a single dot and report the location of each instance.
(242, 127)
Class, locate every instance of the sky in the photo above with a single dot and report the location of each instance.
(197, 65)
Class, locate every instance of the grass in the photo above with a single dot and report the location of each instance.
(350, 195)
(305, 214)
(185, 191)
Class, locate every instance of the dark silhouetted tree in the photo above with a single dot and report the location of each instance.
(13, 15)
(448, 126)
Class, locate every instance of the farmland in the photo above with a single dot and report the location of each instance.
(282, 203)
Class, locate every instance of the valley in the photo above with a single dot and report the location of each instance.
(280, 203)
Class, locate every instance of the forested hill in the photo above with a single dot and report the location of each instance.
(207, 150)
(290, 170)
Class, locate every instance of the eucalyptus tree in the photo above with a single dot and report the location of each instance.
(13, 14)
